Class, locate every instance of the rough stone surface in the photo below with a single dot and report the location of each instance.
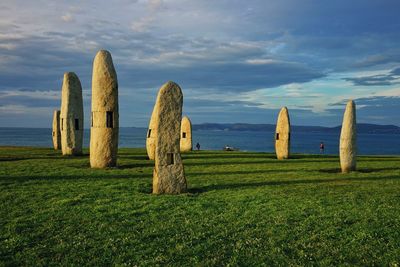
(105, 116)
(71, 115)
(348, 143)
(151, 136)
(186, 135)
(282, 135)
(168, 174)
(56, 130)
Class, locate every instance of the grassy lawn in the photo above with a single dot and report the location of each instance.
(243, 209)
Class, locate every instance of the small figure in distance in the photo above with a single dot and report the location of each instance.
(321, 147)
(198, 146)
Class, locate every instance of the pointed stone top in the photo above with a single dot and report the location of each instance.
(168, 86)
(186, 119)
(350, 103)
(283, 116)
(71, 82)
(103, 64)
(70, 75)
(103, 54)
(349, 117)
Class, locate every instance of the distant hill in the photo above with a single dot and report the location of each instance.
(361, 128)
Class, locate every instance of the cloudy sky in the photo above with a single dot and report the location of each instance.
(236, 61)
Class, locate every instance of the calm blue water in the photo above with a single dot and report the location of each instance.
(368, 144)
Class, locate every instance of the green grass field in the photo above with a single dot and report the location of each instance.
(242, 209)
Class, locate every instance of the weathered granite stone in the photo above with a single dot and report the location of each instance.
(105, 116)
(282, 135)
(56, 133)
(186, 135)
(348, 143)
(168, 174)
(71, 115)
(151, 136)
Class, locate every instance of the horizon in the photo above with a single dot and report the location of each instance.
(234, 61)
(218, 123)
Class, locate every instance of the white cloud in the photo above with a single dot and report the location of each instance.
(260, 61)
(8, 46)
(21, 110)
(142, 25)
(67, 17)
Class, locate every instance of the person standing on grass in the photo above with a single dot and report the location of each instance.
(198, 146)
(321, 148)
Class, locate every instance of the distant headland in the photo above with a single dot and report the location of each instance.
(361, 128)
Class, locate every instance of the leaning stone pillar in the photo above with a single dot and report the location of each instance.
(56, 130)
(168, 174)
(186, 135)
(348, 142)
(104, 117)
(71, 115)
(151, 136)
(282, 135)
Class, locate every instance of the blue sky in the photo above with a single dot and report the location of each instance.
(236, 61)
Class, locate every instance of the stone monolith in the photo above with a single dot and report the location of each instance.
(56, 133)
(348, 145)
(105, 117)
(168, 174)
(71, 115)
(186, 135)
(151, 136)
(282, 135)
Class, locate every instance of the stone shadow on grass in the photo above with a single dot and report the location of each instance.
(135, 157)
(13, 158)
(203, 189)
(189, 174)
(283, 162)
(362, 170)
(135, 165)
(18, 179)
(227, 156)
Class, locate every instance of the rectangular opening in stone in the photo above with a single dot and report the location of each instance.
(109, 119)
(76, 124)
(277, 136)
(170, 158)
(149, 133)
(92, 119)
(183, 135)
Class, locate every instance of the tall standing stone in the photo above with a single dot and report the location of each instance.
(105, 117)
(151, 136)
(168, 174)
(56, 133)
(186, 135)
(71, 115)
(282, 135)
(348, 142)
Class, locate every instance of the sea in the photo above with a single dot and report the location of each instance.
(255, 141)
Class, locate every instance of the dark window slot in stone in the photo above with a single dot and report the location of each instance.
(149, 133)
(109, 121)
(277, 136)
(76, 124)
(170, 158)
(183, 135)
